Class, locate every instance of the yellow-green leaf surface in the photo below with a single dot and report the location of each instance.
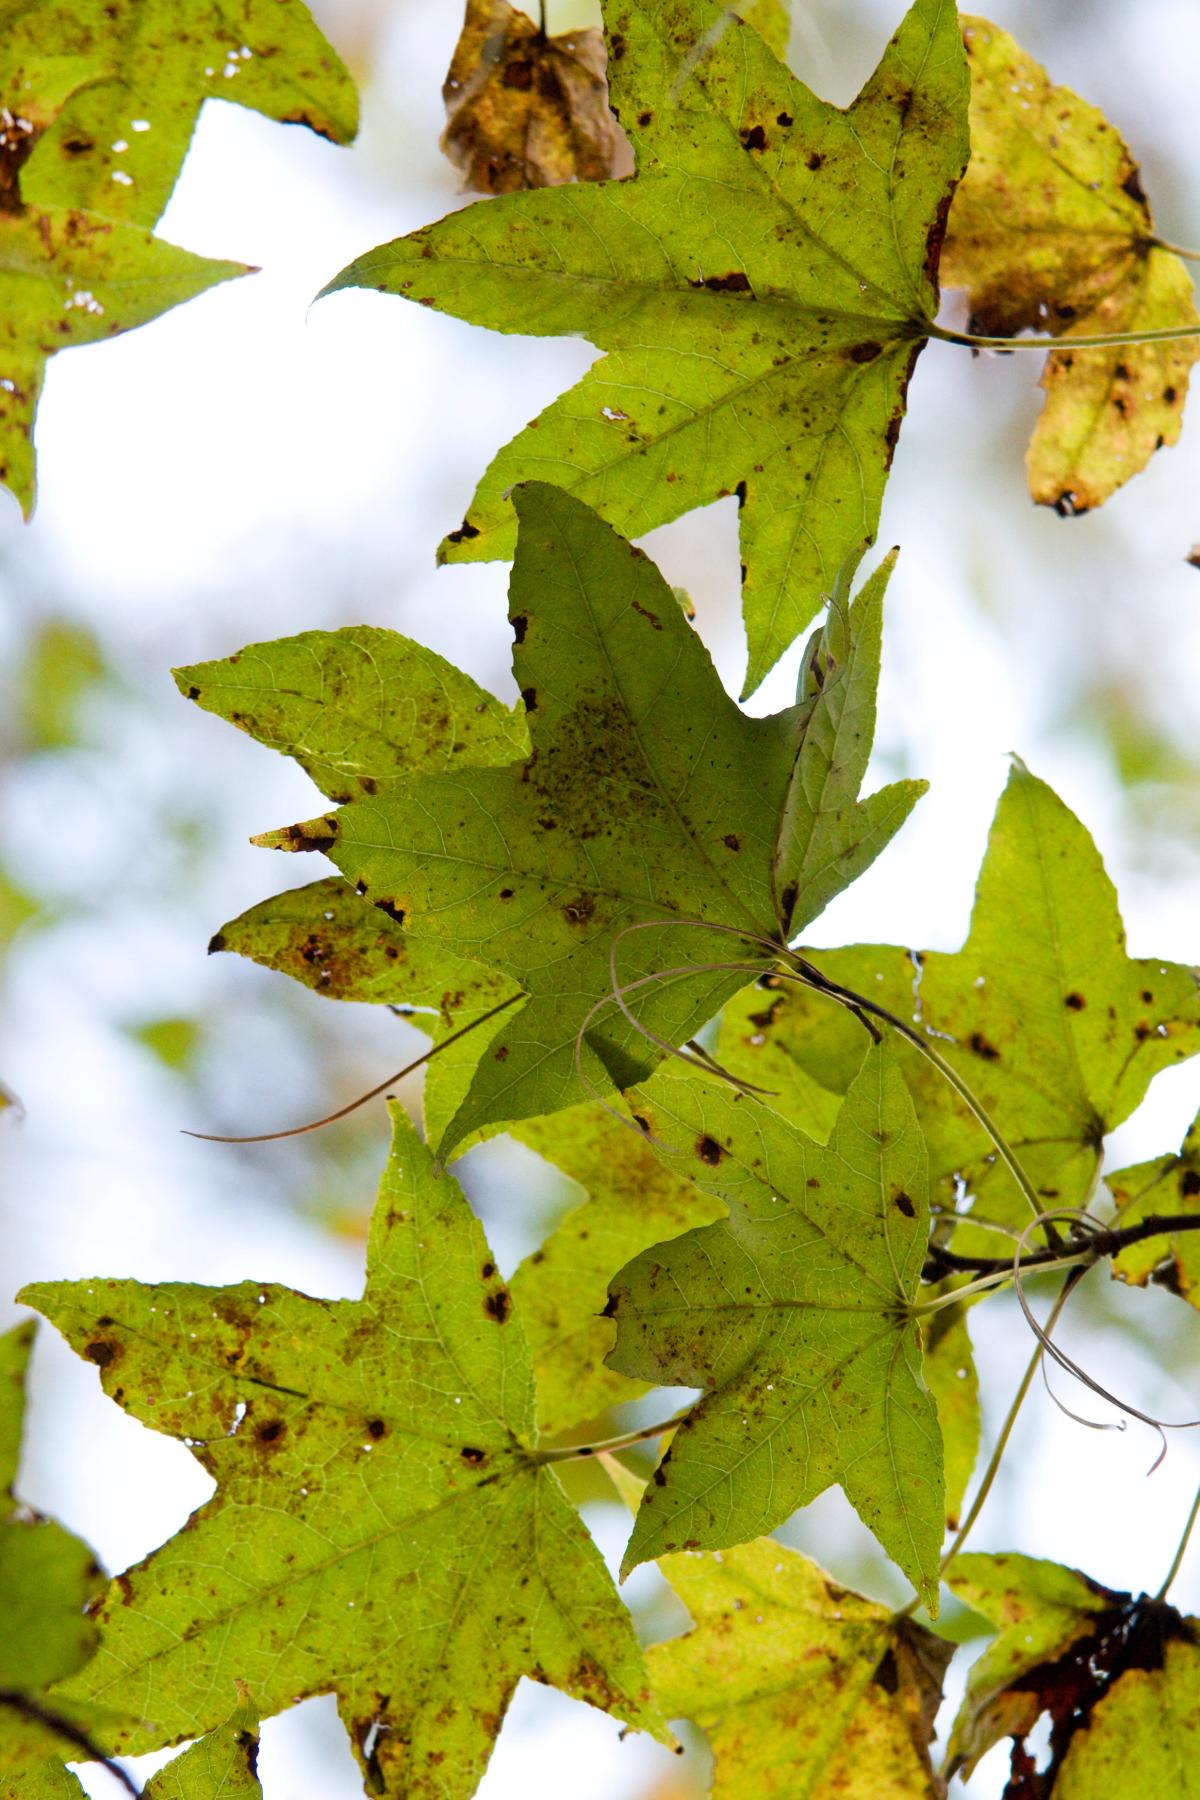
(1051, 231)
(633, 1199)
(649, 808)
(1168, 1185)
(1040, 1610)
(1053, 1025)
(67, 276)
(118, 147)
(47, 1577)
(952, 1379)
(1143, 1737)
(221, 1766)
(804, 1689)
(762, 288)
(381, 1528)
(794, 1316)
(360, 710)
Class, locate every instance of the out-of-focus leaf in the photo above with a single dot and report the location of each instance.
(118, 147)
(1170, 1185)
(1051, 231)
(803, 1688)
(1117, 1677)
(1056, 1029)
(951, 1378)
(794, 1315)
(47, 1577)
(359, 709)
(649, 808)
(633, 1199)
(62, 667)
(174, 1041)
(526, 110)
(381, 1527)
(763, 288)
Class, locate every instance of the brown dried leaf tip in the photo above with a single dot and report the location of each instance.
(525, 110)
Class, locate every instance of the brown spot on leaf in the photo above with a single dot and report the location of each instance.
(471, 1454)
(100, 1352)
(465, 531)
(529, 696)
(709, 1151)
(376, 1428)
(1075, 1001)
(904, 1204)
(580, 910)
(1189, 1183)
(520, 625)
(651, 617)
(392, 910)
(270, 1431)
(753, 138)
(732, 841)
(865, 353)
(498, 1305)
(979, 1044)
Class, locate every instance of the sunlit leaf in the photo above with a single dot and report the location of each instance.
(762, 287)
(380, 1528)
(1056, 1029)
(803, 1688)
(794, 1315)
(118, 147)
(1051, 231)
(1168, 1185)
(648, 799)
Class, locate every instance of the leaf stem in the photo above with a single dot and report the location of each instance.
(70, 1733)
(1103, 340)
(1101, 1241)
(1181, 1551)
(1176, 249)
(812, 977)
(1081, 1259)
(572, 1452)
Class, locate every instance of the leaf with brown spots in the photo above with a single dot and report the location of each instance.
(631, 1199)
(67, 277)
(526, 110)
(381, 1527)
(803, 1688)
(1114, 1676)
(1043, 1012)
(648, 807)
(47, 1578)
(1170, 1185)
(118, 146)
(1051, 231)
(794, 1316)
(762, 289)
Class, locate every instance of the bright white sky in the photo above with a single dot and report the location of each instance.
(246, 467)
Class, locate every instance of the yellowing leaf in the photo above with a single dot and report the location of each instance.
(1051, 231)
(1054, 1026)
(526, 110)
(951, 1378)
(381, 1528)
(66, 276)
(762, 289)
(1116, 1677)
(1170, 1185)
(633, 1200)
(119, 145)
(359, 709)
(794, 1315)
(803, 1688)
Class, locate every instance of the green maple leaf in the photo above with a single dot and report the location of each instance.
(118, 147)
(1052, 1024)
(648, 799)
(381, 1528)
(221, 1766)
(1166, 1185)
(66, 276)
(762, 287)
(803, 1688)
(795, 1317)
(47, 1578)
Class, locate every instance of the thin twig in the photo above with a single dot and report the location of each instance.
(70, 1733)
(1104, 340)
(1173, 1571)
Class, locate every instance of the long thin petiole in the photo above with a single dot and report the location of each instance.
(573, 1452)
(1104, 340)
(998, 1278)
(1180, 1553)
(1177, 250)
(273, 1137)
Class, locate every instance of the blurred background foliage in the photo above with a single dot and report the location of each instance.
(242, 469)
